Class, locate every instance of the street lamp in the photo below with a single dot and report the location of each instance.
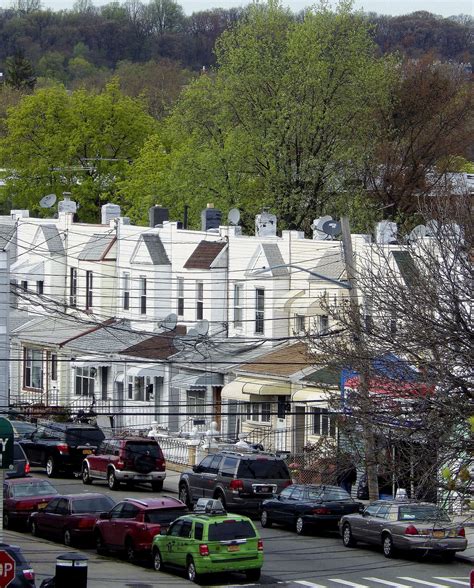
(346, 285)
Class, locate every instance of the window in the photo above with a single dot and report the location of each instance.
(73, 287)
(54, 366)
(89, 286)
(140, 388)
(299, 323)
(130, 388)
(24, 285)
(324, 425)
(33, 369)
(368, 311)
(126, 291)
(198, 531)
(259, 411)
(39, 287)
(180, 296)
(259, 310)
(142, 295)
(199, 300)
(228, 467)
(85, 379)
(323, 324)
(149, 389)
(238, 309)
(196, 402)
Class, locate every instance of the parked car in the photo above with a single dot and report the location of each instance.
(305, 505)
(22, 429)
(24, 573)
(240, 480)
(23, 496)
(410, 526)
(133, 459)
(61, 447)
(131, 525)
(70, 517)
(210, 541)
(21, 465)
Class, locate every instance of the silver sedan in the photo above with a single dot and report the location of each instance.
(397, 525)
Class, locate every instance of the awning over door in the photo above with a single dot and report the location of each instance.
(151, 370)
(242, 388)
(90, 361)
(309, 396)
(285, 302)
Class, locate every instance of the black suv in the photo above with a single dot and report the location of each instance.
(61, 447)
(240, 480)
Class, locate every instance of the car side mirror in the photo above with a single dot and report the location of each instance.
(163, 531)
(361, 508)
(104, 515)
(364, 512)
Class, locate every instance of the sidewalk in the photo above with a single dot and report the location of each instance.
(171, 486)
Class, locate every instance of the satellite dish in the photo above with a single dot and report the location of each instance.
(331, 228)
(233, 217)
(48, 201)
(319, 222)
(169, 322)
(202, 327)
(418, 233)
(192, 334)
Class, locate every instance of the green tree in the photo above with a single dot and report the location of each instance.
(285, 120)
(20, 73)
(79, 142)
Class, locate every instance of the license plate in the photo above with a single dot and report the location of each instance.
(42, 505)
(86, 451)
(262, 489)
(438, 534)
(234, 548)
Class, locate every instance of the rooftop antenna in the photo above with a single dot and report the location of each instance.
(169, 322)
(233, 217)
(418, 233)
(48, 201)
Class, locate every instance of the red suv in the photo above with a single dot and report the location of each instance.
(133, 459)
(131, 525)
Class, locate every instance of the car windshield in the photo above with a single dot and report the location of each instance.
(422, 512)
(328, 494)
(230, 530)
(40, 488)
(137, 449)
(263, 469)
(84, 436)
(23, 428)
(92, 505)
(164, 516)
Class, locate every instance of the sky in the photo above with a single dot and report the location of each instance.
(442, 7)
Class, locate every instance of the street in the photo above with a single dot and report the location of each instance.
(314, 561)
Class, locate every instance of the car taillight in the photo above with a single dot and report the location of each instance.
(160, 464)
(411, 530)
(321, 511)
(120, 464)
(236, 485)
(29, 575)
(461, 532)
(260, 545)
(203, 550)
(24, 505)
(86, 523)
(63, 448)
(27, 467)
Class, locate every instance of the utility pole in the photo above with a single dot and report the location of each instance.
(4, 330)
(363, 369)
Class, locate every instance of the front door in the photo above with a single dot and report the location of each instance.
(217, 403)
(299, 429)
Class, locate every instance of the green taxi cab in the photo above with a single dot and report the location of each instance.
(210, 540)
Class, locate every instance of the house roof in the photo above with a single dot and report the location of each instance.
(97, 247)
(52, 239)
(204, 254)
(324, 375)
(110, 337)
(157, 347)
(274, 258)
(330, 265)
(283, 361)
(156, 249)
(49, 330)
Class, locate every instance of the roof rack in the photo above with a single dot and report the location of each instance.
(250, 451)
(142, 502)
(209, 506)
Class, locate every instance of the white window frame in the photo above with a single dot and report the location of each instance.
(258, 412)
(84, 381)
(143, 294)
(73, 287)
(195, 402)
(180, 296)
(126, 291)
(300, 323)
(259, 312)
(199, 301)
(238, 305)
(323, 422)
(33, 367)
(89, 289)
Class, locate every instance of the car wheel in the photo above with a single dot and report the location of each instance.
(34, 529)
(300, 526)
(112, 481)
(184, 495)
(157, 486)
(51, 469)
(253, 575)
(6, 520)
(220, 496)
(347, 538)
(157, 560)
(265, 519)
(86, 478)
(387, 546)
(191, 570)
(130, 552)
(100, 546)
(67, 538)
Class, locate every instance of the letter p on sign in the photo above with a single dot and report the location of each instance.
(7, 569)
